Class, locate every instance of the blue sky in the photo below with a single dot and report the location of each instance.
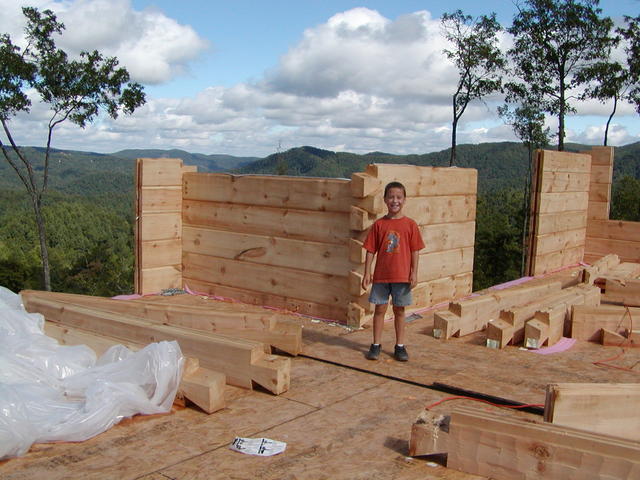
(247, 37)
(241, 77)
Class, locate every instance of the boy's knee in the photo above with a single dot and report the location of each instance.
(381, 308)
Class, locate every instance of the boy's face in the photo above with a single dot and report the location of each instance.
(394, 199)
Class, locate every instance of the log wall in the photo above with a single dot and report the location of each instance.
(571, 201)
(296, 243)
(604, 235)
(158, 224)
(560, 201)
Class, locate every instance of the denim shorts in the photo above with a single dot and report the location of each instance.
(400, 294)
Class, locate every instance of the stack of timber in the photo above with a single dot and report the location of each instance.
(560, 201)
(509, 447)
(617, 321)
(442, 201)
(235, 344)
(537, 312)
(551, 310)
(474, 314)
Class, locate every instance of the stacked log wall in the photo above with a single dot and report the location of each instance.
(158, 224)
(269, 240)
(560, 201)
(606, 236)
(296, 242)
(442, 201)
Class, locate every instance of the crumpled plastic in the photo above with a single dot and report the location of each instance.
(51, 392)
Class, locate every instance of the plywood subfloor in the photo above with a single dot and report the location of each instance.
(466, 363)
(344, 417)
(338, 424)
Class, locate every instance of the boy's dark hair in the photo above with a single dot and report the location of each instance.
(391, 185)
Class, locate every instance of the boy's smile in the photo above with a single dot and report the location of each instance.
(395, 201)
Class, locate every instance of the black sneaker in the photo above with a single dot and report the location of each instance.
(400, 353)
(373, 353)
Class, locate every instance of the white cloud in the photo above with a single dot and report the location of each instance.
(359, 82)
(594, 135)
(153, 47)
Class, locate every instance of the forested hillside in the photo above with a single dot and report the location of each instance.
(89, 208)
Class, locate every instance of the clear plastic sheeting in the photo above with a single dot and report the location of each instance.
(50, 392)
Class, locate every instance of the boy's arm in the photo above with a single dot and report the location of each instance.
(413, 275)
(367, 278)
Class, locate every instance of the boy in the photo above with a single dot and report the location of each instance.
(396, 241)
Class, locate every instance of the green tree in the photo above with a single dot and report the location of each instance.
(477, 56)
(625, 199)
(611, 81)
(523, 112)
(498, 251)
(554, 41)
(630, 34)
(75, 90)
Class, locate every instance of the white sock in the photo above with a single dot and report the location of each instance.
(400, 344)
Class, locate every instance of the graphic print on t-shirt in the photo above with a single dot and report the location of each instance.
(393, 242)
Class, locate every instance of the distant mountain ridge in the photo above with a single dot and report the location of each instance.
(500, 165)
(208, 163)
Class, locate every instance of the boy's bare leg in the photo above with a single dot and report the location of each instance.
(378, 322)
(398, 322)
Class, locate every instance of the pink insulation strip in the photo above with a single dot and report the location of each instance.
(561, 346)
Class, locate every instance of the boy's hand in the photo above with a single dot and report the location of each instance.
(413, 279)
(366, 280)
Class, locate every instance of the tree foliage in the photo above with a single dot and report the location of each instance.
(625, 199)
(478, 58)
(74, 89)
(554, 42)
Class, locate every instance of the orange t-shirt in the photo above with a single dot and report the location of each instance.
(393, 240)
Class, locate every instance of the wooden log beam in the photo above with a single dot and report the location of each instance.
(476, 313)
(427, 181)
(608, 409)
(302, 193)
(600, 267)
(624, 292)
(201, 386)
(545, 328)
(262, 326)
(315, 226)
(267, 250)
(315, 287)
(242, 361)
(429, 434)
(498, 446)
(336, 312)
(613, 339)
(510, 327)
(587, 321)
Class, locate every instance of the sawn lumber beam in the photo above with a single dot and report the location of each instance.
(242, 361)
(267, 327)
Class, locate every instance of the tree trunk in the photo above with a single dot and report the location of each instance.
(42, 236)
(526, 210)
(454, 128)
(606, 129)
(561, 113)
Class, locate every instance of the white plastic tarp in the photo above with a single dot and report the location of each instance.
(50, 392)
